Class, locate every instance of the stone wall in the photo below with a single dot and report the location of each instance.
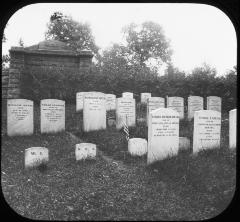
(34, 56)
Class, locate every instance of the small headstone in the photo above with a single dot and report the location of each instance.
(85, 151)
(163, 134)
(127, 95)
(125, 112)
(184, 144)
(19, 117)
(177, 104)
(145, 97)
(110, 102)
(195, 103)
(36, 156)
(154, 103)
(214, 103)
(137, 146)
(207, 129)
(79, 101)
(94, 111)
(52, 115)
(232, 128)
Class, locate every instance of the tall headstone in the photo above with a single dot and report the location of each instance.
(94, 111)
(125, 112)
(110, 102)
(154, 103)
(36, 156)
(177, 104)
(145, 97)
(214, 103)
(127, 95)
(195, 103)
(207, 130)
(232, 128)
(137, 146)
(52, 115)
(163, 134)
(79, 101)
(19, 117)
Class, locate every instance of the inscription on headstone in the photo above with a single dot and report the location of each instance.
(163, 134)
(207, 129)
(232, 128)
(52, 115)
(195, 103)
(36, 156)
(214, 103)
(94, 111)
(19, 117)
(177, 104)
(125, 112)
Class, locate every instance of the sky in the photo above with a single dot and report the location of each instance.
(198, 33)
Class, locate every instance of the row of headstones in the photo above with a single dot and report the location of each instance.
(163, 138)
(177, 103)
(20, 113)
(36, 156)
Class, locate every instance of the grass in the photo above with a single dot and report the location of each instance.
(115, 186)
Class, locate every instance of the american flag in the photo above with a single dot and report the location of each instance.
(125, 129)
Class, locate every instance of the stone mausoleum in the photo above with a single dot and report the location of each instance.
(44, 54)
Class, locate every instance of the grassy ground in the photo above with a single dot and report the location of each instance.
(115, 186)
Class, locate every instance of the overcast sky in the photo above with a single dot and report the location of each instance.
(198, 33)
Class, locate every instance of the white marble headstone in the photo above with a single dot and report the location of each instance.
(19, 117)
(207, 130)
(35, 156)
(163, 134)
(137, 146)
(52, 115)
(195, 103)
(127, 95)
(125, 112)
(110, 102)
(214, 103)
(232, 128)
(177, 104)
(79, 101)
(94, 111)
(85, 151)
(154, 103)
(145, 97)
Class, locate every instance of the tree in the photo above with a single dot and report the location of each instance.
(76, 34)
(5, 58)
(147, 41)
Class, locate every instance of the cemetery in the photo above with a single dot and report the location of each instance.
(73, 145)
(113, 139)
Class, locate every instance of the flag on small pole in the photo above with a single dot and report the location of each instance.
(125, 129)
